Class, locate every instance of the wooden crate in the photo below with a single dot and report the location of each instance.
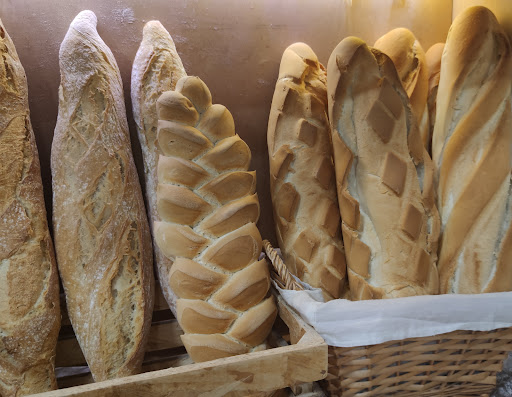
(168, 370)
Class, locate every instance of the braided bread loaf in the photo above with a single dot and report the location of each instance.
(385, 178)
(206, 199)
(433, 57)
(29, 283)
(156, 68)
(102, 237)
(302, 179)
(472, 152)
(409, 59)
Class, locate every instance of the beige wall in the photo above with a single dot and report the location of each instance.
(234, 45)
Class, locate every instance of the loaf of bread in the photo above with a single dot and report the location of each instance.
(409, 59)
(384, 176)
(433, 57)
(207, 202)
(29, 283)
(102, 238)
(157, 68)
(302, 181)
(472, 152)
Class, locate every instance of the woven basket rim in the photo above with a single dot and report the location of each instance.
(281, 274)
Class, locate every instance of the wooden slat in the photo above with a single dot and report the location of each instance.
(163, 335)
(82, 375)
(243, 375)
(160, 302)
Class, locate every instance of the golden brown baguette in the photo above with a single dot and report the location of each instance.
(433, 57)
(102, 238)
(385, 178)
(29, 284)
(156, 68)
(409, 59)
(206, 199)
(472, 152)
(302, 181)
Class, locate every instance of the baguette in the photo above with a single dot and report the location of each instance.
(472, 153)
(157, 68)
(409, 59)
(102, 238)
(29, 283)
(433, 57)
(207, 202)
(385, 177)
(302, 180)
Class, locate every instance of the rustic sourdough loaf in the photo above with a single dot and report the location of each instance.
(472, 152)
(409, 59)
(29, 284)
(208, 206)
(433, 57)
(384, 176)
(302, 181)
(157, 68)
(102, 238)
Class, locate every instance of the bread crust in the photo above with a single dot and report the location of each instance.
(433, 57)
(384, 175)
(157, 67)
(302, 181)
(102, 237)
(409, 59)
(29, 285)
(472, 152)
(222, 304)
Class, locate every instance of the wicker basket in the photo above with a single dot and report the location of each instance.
(459, 363)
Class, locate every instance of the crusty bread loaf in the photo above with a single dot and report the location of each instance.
(156, 68)
(433, 57)
(29, 284)
(207, 202)
(385, 178)
(302, 181)
(102, 238)
(409, 59)
(472, 152)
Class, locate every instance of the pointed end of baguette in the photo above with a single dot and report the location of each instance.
(85, 21)
(154, 30)
(304, 51)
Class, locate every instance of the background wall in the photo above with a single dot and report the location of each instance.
(235, 46)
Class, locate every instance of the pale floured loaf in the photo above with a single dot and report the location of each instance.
(302, 181)
(472, 152)
(102, 237)
(207, 202)
(29, 284)
(433, 57)
(156, 68)
(385, 178)
(409, 59)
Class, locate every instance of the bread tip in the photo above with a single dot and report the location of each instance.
(344, 51)
(433, 57)
(477, 10)
(153, 26)
(86, 16)
(303, 50)
(396, 34)
(476, 16)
